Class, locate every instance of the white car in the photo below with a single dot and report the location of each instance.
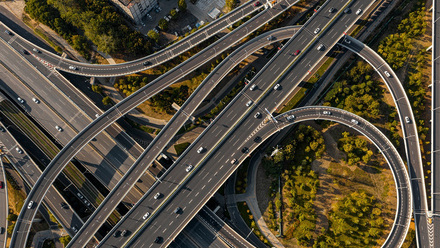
(146, 215)
(290, 117)
(18, 150)
(249, 103)
(74, 229)
(317, 30)
(253, 87)
(36, 50)
(35, 100)
(354, 121)
(359, 11)
(257, 115)
(189, 168)
(320, 47)
(233, 161)
(327, 112)
(59, 128)
(277, 86)
(156, 196)
(73, 68)
(200, 150)
(31, 203)
(407, 120)
(79, 195)
(387, 74)
(20, 100)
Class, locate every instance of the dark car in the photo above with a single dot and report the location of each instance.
(124, 232)
(117, 233)
(25, 51)
(1, 185)
(8, 32)
(146, 63)
(257, 139)
(64, 205)
(158, 240)
(245, 150)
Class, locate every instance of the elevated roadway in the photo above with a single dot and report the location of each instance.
(410, 136)
(131, 67)
(132, 101)
(4, 205)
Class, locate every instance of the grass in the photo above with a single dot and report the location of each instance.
(51, 43)
(180, 148)
(249, 219)
(241, 183)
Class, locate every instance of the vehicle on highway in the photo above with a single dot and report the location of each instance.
(327, 112)
(347, 10)
(257, 115)
(200, 150)
(320, 47)
(178, 210)
(257, 139)
(234, 161)
(269, 38)
(117, 233)
(58, 128)
(277, 86)
(36, 50)
(146, 215)
(79, 195)
(18, 150)
(2, 230)
(158, 240)
(253, 87)
(74, 229)
(25, 52)
(2, 129)
(387, 74)
(249, 103)
(8, 32)
(297, 52)
(245, 150)
(146, 63)
(257, 3)
(20, 100)
(317, 30)
(359, 11)
(290, 117)
(189, 168)
(407, 120)
(35, 100)
(124, 232)
(331, 10)
(1, 185)
(157, 195)
(31, 203)
(73, 68)
(354, 121)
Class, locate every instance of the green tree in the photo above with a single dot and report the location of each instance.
(106, 100)
(65, 240)
(182, 5)
(153, 35)
(173, 14)
(163, 24)
(230, 4)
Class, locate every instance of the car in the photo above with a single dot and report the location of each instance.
(245, 150)
(73, 68)
(253, 87)
(387, 74)
(354, 121)
(18, 150)
(178, 210)
(407, 120)
(25, 52)
(8, 32)
(35, 100)
(79, 195)
(74, 229)
(297, 52)
(257, 115)
(290, 117)
(257, 3)
(317, 30)
(155, 30)
(2, 230)
(166, 18)
(320, 47)
(331, 10)
(157, 195)
(64, 205)
(124, 232)
(20, 100)
(117, 233)
(96, 115)
(327, 112)
(2, 129)
(277, 86)
(359, 11)
(347, 41)
(347, 10)
(147, 63)
(257, 139)
(31, 203)
(249, 103)
(36, 50)
(149, 16)
(234, 161)
(58, 128)
(1, 185)
(269, 38)
(146, 215)
(158, 240)
(189, 168)
(200, 150)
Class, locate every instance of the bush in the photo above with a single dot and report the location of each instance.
(106, 100)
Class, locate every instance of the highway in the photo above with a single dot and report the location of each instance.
(435, 124)
(410, 136)
(132, 101)
(94, 70)
(4, 207)
(171, 189)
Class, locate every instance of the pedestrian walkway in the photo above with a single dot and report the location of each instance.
(53, 234)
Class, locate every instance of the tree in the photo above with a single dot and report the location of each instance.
(173, 14)
(106, 100)
(153, 35)
(163, 24)
(65, 240)
(182, 5)
(230, 4)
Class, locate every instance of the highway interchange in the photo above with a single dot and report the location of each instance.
(238, 123)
